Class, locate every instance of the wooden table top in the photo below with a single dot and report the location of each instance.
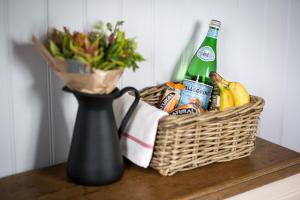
(268, 163)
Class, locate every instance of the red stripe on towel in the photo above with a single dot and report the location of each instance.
(138, 141)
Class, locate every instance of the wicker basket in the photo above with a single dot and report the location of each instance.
(188, 141)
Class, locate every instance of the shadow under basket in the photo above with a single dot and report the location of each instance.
(185, 142)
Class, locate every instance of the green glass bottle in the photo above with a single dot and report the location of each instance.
(197, 83)
(205, 59)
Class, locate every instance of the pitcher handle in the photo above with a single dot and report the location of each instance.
(131, 108)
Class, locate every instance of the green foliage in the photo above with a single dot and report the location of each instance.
(105, 47)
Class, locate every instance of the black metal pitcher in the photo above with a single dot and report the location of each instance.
(95, 157)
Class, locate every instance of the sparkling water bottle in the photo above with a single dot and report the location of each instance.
(197, 82)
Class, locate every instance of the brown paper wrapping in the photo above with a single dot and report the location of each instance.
(96, 81)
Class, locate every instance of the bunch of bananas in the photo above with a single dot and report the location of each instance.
(231, 93)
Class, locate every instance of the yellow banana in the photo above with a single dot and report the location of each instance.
(226, 98)
(240, 94)
(237, 90)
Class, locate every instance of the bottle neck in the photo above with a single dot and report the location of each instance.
(212, 32)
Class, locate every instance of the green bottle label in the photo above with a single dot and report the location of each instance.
(206, 54)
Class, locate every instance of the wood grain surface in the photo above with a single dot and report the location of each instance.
(268, 163)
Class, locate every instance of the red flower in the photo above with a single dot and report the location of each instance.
(111, 38)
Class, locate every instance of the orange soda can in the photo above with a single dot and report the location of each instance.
(194, 106)
(171, 96)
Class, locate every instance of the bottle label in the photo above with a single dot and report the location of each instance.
(194, 90)
(206, 53)
(213, 33)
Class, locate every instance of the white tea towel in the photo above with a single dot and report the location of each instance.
(137, 141)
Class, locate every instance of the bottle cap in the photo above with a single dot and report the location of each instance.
(215, 23)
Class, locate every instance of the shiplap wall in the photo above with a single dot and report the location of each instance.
(258, 45)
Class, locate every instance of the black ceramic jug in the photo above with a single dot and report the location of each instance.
(95, 157)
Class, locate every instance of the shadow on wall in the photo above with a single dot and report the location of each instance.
(34, 63)
(64, 115)
(186, 55)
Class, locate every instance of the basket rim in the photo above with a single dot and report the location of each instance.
(256, 103)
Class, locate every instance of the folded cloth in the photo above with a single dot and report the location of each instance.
(137, 141)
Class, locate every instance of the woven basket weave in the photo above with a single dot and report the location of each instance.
(189, 141)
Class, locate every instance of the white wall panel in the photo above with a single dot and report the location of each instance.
(105, 10)
(29, 85)
(249, 26)
(258, 45)
(7, 156)
(69, 13)
(291, 93)
(139, 17)
(228, 43)
(249, 52)
(273, 41)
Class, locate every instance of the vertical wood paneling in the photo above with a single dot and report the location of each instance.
(139, 24)
(7, 156)
(291, 93)
(249, 48)
(67, 13)
(29, 85)
(274, 48)
(257, 45)
(248, 33)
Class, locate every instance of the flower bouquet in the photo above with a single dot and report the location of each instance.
(90, 62)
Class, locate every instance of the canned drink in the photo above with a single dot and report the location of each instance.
(187, 109)
(171, 96)
(194, 90)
